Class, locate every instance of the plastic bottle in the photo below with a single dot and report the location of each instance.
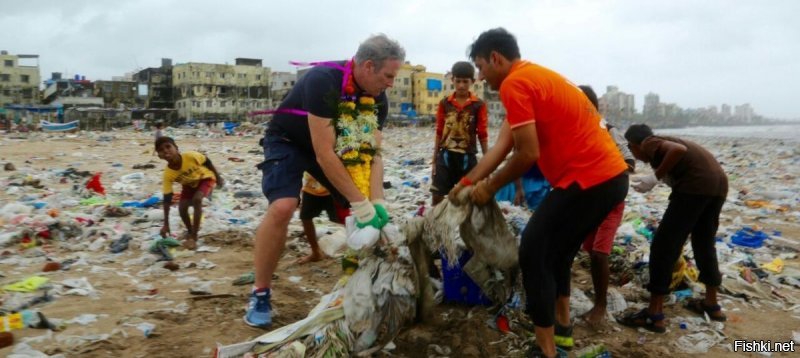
(593, 351)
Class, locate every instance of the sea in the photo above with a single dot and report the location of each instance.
(787, 132)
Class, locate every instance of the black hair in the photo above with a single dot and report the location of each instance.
(162, 140)
(589, 92)
(637, 133)
(498, 40)
(463, 69)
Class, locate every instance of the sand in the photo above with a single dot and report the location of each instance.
(457, 331)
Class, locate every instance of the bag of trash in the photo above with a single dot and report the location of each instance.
(482, 229)
(380, 297)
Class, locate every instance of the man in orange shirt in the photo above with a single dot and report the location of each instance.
(552, 123)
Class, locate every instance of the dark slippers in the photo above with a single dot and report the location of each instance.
(643, 319)
(714, 312)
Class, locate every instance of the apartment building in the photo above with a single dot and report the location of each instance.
(401, 94)
(209, 92)
(19, 79)
(117, 94)
(280, 85)
(428, 90)
(156, 85)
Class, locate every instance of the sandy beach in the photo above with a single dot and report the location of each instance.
(135, 307)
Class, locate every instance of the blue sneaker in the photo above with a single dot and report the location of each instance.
(259, 310)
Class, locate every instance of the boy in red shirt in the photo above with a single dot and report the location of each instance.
(461, 123)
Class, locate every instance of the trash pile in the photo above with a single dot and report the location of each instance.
(83, 267)
(74, 221)
(362, 314)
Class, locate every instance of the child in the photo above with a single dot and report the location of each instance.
(197, 176)
(159, 126)
(460, 120)
(601, 240)
(315, 199)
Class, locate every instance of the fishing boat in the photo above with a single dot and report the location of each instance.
(58, 127)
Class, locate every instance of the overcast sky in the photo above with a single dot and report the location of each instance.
(693, 53)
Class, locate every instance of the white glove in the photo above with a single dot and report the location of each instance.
(644, 183)
(364, 212)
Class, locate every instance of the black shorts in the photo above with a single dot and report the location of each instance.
(450, 168)
(311, 206)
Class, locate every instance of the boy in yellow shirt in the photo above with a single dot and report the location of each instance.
(197, 176)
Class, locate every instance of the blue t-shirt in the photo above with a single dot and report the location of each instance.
(317, 92)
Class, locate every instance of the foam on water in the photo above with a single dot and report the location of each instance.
(784, 132)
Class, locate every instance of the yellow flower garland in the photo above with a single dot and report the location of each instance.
(355, 139)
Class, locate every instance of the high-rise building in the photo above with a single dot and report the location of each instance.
(725, 111)
(617, 105)
(651, 102)
(19, 79)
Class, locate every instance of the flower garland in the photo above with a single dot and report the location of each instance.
(355, 127)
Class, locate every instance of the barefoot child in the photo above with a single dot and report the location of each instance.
(197, 177)
(315, 200)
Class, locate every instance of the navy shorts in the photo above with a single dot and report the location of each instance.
(283, 167)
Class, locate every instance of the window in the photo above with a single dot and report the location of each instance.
(25, 78)
(209, 74)
(430, 107)
(9, 63)
(292, 83)
(222, 103)
(222, 75)
(209, 103)
(394, 105)
(5, 77)
(430, 94)
(258, 77)
(404, 93)
(405, 81)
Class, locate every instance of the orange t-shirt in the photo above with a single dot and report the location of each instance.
(574, 146)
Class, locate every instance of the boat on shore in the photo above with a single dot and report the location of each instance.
(58, 127)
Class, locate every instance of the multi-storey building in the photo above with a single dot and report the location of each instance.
(280, 85)
(651, 103)
(157, 83)
(117, 94)
(214, 92)
(743, 113)
(497, 112)
(616, 105)
(427, 89)
(402, 92)
(19, 79)
(70, 92)
(725, 111)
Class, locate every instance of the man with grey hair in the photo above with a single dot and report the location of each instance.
(300, 138)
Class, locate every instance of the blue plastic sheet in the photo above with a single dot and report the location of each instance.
(749, 237)
(152, 201)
